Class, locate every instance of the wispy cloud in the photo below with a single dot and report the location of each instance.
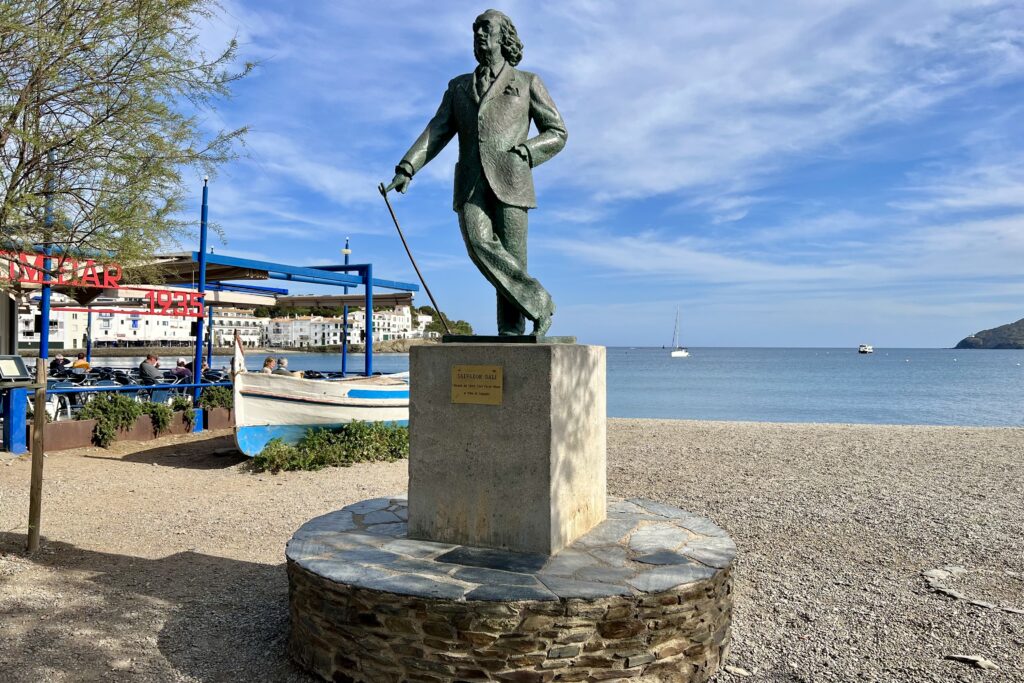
(770, 157)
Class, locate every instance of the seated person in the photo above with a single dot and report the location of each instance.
(282, 368)
(268, 366)
(58, 364)
(81, 362)
(149, 369)
(181, 371)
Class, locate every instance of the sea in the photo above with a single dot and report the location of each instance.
(889, 386)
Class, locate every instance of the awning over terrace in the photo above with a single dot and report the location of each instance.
(339, 300)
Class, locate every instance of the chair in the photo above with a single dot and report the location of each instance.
(57, 402)
(160, 395)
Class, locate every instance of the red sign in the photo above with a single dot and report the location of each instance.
(28, 269)
(68, 272)
(175, 303)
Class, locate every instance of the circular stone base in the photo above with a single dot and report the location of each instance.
(646, 595)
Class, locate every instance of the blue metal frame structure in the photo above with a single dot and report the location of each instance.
(14, 401)
(337, 275)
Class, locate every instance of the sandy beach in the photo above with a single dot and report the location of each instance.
(164, 561)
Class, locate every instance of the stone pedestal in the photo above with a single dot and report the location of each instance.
(516, 463)
(645, 596)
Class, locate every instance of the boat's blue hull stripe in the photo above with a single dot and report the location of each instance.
(331, 401)
(370, 393)
(252, 440)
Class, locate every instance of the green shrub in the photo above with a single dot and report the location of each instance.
(340, 447)
(112, 412)
(217, 397)
(183, 404)
(160, 414)
(115, 411)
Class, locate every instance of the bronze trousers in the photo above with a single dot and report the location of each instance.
(495, 236)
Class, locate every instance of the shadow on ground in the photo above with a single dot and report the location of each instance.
(206, 454)
(212, 618)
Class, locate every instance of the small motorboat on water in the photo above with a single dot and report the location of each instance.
(865, 348)
(282, 407)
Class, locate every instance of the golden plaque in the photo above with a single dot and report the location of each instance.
(479, 384)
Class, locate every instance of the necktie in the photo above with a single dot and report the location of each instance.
(483, 79)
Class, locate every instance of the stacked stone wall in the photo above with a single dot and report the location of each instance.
(346, 633)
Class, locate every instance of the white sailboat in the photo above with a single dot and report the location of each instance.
(677, 350)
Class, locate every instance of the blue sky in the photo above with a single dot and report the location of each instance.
(787, 173)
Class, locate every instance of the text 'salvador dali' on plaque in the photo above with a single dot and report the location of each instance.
(480, 384)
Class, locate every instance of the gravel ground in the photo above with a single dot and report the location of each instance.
(163, 561)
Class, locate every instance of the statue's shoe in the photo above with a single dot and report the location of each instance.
(541, 325)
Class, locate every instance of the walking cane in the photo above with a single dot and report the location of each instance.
(384, 194)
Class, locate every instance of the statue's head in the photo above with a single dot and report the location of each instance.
(493, 30)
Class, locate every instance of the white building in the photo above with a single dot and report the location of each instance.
(304, 331)
(289, 332)
(226, 321)
(67, 328)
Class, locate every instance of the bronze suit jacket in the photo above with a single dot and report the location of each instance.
(488, 132)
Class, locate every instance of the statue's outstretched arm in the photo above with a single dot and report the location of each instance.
(435, 136)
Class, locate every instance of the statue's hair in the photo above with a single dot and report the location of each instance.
(511, 46)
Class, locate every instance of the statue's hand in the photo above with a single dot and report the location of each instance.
(522, 151)
(400, 183)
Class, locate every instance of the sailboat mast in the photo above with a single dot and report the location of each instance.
(675, 333)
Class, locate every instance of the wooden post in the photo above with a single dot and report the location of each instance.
(35, 492)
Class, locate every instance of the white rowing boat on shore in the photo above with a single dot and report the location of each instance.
(282, 407)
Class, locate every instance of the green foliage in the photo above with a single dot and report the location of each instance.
(103, 105)
(321, 447)
(183, 404)
(217, 397)
(458, 326)
(114, 412)
(160, 414)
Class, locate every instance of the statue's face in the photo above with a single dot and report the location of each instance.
(486, 36)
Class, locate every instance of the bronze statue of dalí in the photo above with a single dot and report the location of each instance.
(490, 110)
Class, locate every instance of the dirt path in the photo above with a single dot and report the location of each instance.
(164, 561)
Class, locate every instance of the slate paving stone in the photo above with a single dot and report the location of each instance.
(646, 549)
(615, 556)
(719, 558)
(367, 556)
(568, 562)
(352, 539)
(419, 586)
(570, 588)
(623, 507)
(394, 529)
(662, 557)
(367, 506)
(702, 526)
(659, 509)
(667, 577)
(603, 574)
(483, 575)
(423, 567)
(494, 559)
(503, 593)
(417, 549)
(608, 532)
(657, 536)
(306, 549)
(380, 517)
(342, 572)
(335, 521)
